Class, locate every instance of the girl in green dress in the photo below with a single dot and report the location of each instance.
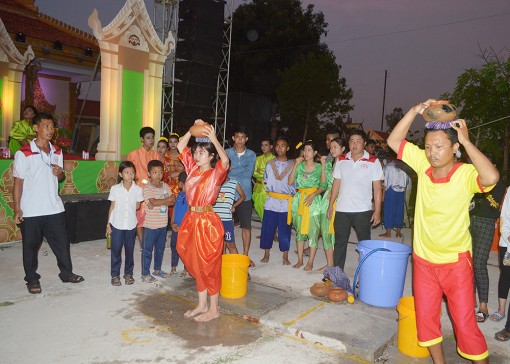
(325, 224)
(307, 201)
(22, 131)
(259, 189)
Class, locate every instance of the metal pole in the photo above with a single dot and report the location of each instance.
(384, 99)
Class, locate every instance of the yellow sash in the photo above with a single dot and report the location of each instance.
(304, 210)
(201, 208)
(283, 196)
(331, 229)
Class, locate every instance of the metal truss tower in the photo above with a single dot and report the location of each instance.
(220, 103)
(166, 19)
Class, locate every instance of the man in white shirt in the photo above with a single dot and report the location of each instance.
(38, 209)
(357, 178)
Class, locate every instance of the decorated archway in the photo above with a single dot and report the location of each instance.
(132, 61)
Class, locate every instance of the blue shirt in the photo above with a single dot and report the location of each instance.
(242, 169)
(180, 207)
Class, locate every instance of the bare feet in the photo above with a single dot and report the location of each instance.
(308, 267)
(385, 235)
(299, 264)
(399, 235)
(322, 268)
(265, 259)
(207, 316)
(286, 261)
(196, 311)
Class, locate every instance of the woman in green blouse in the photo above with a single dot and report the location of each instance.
(22, 132)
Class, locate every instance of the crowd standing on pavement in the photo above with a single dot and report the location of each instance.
(321, 198)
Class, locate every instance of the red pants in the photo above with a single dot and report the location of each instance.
(455, 281)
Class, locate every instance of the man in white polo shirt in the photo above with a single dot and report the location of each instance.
(38, 209)
(357, 178)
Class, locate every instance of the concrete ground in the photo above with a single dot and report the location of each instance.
(277, 321)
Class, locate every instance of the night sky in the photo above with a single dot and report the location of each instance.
(424, 45)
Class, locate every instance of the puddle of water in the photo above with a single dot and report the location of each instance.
(168, 311)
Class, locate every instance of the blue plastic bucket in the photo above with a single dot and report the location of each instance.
(382, 275)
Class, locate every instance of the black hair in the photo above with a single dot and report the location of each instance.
(490, 157)
(339, 141)
(451, 133)
(42, 116)
(371, 141)
(284, 138)
(31, 107)
(153, 164)
(122, 166)
(240, 130)
(183, 176)
(333, 132)
(209, 148)
(359, 132)
(146, 130)
(164, 141)
(313, 145)
(173, 136)
(269, 140)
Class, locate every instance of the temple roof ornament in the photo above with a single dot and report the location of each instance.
(133, 27)
(9, 52)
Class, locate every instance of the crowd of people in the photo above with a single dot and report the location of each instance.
(196, 193)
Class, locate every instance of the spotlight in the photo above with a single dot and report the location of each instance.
(20, 37)
(57, 45)
(89, 52)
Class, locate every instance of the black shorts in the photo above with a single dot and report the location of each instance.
(244, 211)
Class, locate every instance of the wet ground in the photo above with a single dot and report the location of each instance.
(167, 312)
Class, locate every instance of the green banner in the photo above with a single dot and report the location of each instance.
(132, 110)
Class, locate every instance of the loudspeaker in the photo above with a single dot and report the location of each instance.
(253, 113)
(198, 55)
(86, 216)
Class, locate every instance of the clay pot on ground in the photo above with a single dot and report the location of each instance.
(337, 295)
(320, 289)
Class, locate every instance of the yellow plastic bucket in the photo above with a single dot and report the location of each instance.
(234, 275)
(407, 336)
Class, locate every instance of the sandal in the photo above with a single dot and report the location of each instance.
(496, 316)
(116, 281)
(128, 279)
(73, 278)
(34, 288)
(481, 316)
(503, 335)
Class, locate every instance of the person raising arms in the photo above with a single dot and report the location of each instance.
(442, 243)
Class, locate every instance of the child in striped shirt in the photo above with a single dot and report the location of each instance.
(224, 207)
(158, 197)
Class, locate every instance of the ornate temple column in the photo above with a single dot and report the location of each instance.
(132, 59)
(12, 65)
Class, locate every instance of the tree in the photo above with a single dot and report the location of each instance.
(311, 92)
(483, 94)
(393, 118)
(269, 36)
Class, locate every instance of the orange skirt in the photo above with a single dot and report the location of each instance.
(200, 246)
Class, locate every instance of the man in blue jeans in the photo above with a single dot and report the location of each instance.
(242, 164)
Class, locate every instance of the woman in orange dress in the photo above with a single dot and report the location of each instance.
(174, 164)
(200, 240)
